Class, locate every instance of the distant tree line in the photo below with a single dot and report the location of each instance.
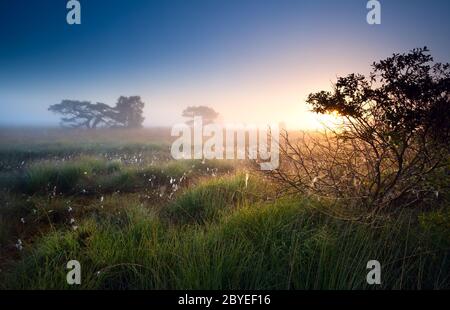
(127, 113)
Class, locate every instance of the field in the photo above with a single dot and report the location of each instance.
(136, 219)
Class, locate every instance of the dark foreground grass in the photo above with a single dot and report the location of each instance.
(249, 244)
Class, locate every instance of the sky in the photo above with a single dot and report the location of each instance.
(253, 61)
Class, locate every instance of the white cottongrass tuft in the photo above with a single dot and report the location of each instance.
(19, 245)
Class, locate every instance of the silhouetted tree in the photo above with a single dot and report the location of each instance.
(394, 134)
(405, 96)
(127, 113)
(84, 114)
(208, 114)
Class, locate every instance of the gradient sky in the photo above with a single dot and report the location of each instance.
(254, 61)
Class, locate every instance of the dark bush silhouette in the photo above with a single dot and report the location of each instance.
(77, 114)
(394, 135)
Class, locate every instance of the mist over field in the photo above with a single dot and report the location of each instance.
(198, 145)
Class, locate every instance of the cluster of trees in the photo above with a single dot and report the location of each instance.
(127, 113)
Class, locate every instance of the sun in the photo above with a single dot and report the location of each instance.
(331, 120)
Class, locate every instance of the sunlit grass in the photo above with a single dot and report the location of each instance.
(283, 245)
(137, 220)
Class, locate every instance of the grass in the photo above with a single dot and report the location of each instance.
(210, 200)
(15, 157)
(136, 220)
(283, 245)
(92, 175)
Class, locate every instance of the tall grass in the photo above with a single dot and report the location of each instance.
(142, 221)
(92, 175)
(213, 198)
(288, 244)
(13, 156)
(62, 177)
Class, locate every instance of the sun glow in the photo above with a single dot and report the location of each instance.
(332, 120)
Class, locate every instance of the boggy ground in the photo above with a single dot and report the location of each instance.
(135, 219)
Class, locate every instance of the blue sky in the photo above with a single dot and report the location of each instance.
(252, 60)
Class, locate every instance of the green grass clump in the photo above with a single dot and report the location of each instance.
(437, 224)
(62, 177)
(212, 198)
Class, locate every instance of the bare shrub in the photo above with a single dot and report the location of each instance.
(394, 134)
